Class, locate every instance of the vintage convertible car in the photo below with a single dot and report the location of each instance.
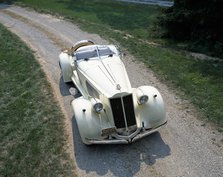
(109, 111)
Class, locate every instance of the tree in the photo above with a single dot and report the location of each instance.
(198, 21)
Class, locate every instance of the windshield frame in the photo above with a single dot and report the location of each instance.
(93, 53)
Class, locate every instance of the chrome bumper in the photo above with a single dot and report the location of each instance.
(138, 134)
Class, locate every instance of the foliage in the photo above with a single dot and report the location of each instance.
(199, 22)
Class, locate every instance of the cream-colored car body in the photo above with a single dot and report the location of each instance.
(127, 115)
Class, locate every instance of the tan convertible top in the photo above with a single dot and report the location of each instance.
(81, 44)
(77, 45)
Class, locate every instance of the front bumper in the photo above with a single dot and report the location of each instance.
(118, 139)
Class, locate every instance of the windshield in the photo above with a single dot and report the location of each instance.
(92, 52)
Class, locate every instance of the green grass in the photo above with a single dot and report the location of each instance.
(201, 81)
(31, 123)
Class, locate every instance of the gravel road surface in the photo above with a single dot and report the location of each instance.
(185, 147)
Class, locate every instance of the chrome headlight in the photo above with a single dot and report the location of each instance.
(142, 97)
(97, 105)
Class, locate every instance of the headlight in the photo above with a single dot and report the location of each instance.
(97, 105)
(143, 99)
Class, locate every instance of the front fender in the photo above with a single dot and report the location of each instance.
(153, 113)
(88, 121)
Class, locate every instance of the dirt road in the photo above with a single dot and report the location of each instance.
(186, 147)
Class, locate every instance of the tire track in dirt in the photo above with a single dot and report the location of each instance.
(51, 36)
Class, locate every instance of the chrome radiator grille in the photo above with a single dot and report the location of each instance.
(123, 111)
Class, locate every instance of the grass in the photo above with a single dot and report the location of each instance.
(129, 25)
(31, 123)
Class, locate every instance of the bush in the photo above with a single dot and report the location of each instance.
(200, 22)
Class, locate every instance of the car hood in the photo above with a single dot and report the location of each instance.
(107, 75)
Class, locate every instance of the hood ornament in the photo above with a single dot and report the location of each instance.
(118, 87)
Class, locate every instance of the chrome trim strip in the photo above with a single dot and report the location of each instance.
(123, 110)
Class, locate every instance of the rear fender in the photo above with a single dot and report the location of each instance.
(65, 65)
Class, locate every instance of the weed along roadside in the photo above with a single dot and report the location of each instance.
(199, 80)
(31, 123)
